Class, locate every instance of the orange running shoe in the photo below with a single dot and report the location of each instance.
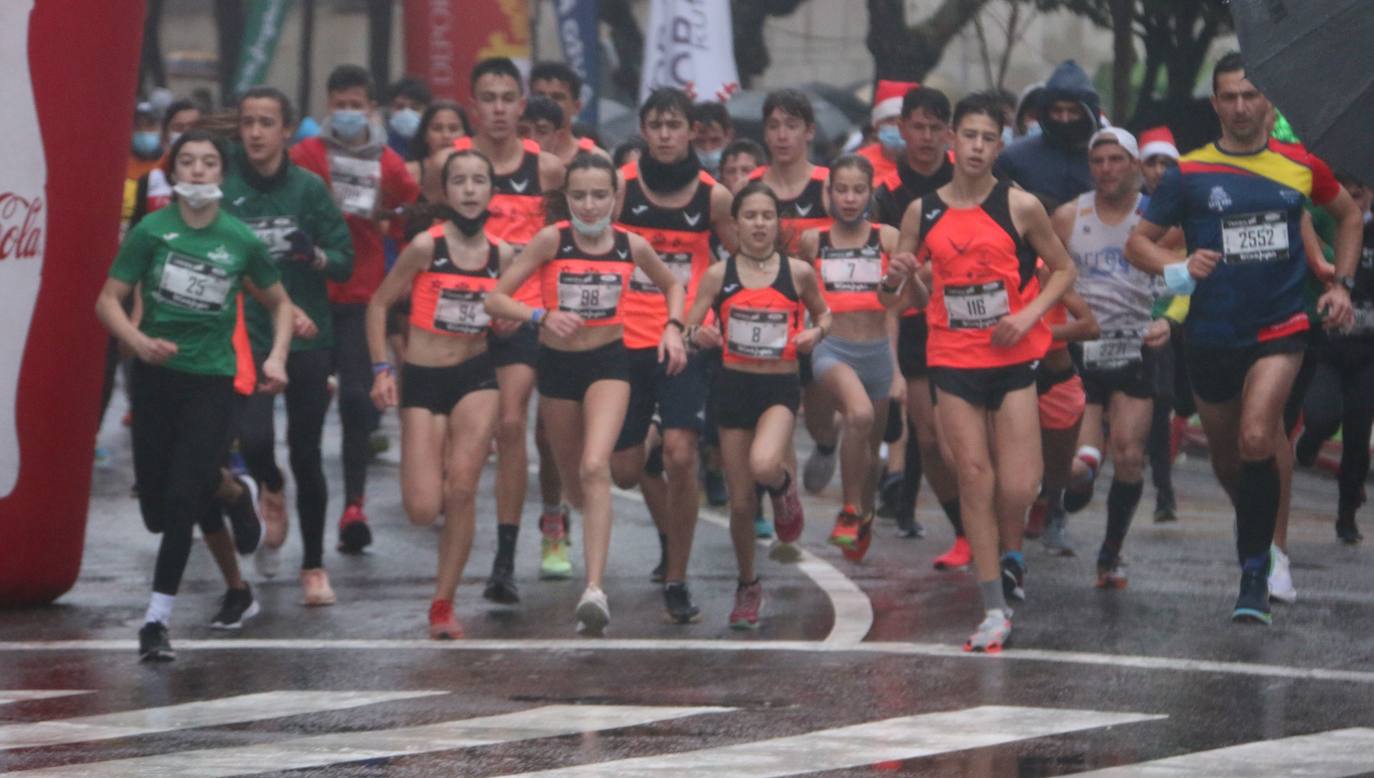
(442, 624)
(957, 557)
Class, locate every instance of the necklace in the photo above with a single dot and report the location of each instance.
(758, 262)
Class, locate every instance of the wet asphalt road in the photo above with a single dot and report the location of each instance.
(1094, 680)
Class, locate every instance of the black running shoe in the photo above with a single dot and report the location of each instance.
(1306, 449)
(501, 585)
(1013, 579)
(889, 494)
(1252, 606)
(1166, 507)
(909, 527)
(1346, 531)
(153, 645)
(244, 518)
(237, 607)
(677, 604)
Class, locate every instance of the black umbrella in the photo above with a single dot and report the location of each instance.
(1314, 61)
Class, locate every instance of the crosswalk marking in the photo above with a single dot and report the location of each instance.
(8, 696)
(324, 750)
(1331, 754)
(907, 737)
(229, 710)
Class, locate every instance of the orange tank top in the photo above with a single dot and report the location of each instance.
(982, 270)
(850, 277)
(762, 324)
(517, 209)
(682, 238)
(805, 211)
(590, 286)
(447, 300)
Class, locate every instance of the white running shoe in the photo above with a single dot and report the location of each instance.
(267, 561)
(992, 634)
(1280, 578)
(819, 469)
(593, 612)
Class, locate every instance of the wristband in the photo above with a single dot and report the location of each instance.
(381, 367)
(681, 328)
(537, 317)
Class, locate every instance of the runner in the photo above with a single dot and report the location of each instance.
(676, 206)
(712, 131)
(190, 261)
(447, 394)
(980, 238)
(442, 123)
(290, 210)
(855, 364)
(924, 167)
(407, 101)
(889, 145)
(563, 86)
(738, 161)
(759, 305)
(523, 175)
(1240, 203)
(368, 182)
(1053, 163)
(1118, 373)
(585, 267)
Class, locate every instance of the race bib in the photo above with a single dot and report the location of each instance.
(593, 296)
(757, 334)
(460, 311)
(273, 230)
(1112, 351)
(355, 183)
(851, 270)
(680, 265)
(194, 284)
(976, 307)
(1255, 237)
(1364, 320)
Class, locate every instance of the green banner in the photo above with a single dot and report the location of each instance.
(261, 30)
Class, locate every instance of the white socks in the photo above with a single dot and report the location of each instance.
(160, 608)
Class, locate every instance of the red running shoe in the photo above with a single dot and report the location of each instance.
(442, 624)
(957, 557)
(788, 518)
(354, 534)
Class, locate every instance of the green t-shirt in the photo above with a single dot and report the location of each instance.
(190, 283)
(293, 199)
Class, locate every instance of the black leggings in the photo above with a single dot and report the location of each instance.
(354, 368)
(1341, 394)
(307, 401)
(180, 435)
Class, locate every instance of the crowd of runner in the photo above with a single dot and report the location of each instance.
(998, 297)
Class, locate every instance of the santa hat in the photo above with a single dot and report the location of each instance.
(887, 99)
(1158, 140)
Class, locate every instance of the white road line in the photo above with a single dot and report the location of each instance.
(8, 696)
(908, 737)
(324, 750)
(937, 650)
(207, 713)
(1331, 754)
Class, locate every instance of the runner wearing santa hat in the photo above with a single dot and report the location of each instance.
(888, 145)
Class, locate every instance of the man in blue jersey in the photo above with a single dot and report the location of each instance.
(1240, 203)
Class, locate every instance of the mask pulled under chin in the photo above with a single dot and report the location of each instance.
(469, 226)
(590, 229)
(669, 176)
(198, 195)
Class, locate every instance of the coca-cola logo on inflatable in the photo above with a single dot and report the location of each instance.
(21, 226)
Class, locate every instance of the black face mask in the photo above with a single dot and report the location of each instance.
(465, 225)
(1070, 135)
(669, 176)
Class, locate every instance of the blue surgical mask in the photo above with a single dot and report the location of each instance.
(890, 136)
(405, 122)
(1178, 279)
(1007, 136)
(710, 160)
(348, 124)
(146, 144)
(591, 229)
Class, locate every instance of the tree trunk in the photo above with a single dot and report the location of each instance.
(150, 66)
(628, 42)
(905, 52)
(307, 55)
(229, 22)
(1123, 57)
(751, 48)
(379, 45)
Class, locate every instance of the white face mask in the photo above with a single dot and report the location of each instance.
(198, 195)
(591, 229)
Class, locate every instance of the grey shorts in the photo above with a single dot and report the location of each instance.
(871, 361)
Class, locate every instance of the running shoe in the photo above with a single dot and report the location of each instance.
(1056, 538)
(501, 585)
(785, 553)
(1252, 606)
(272, 509)
(153, 644)
(1035, 518)
(103, 457)
(820, 468)
(763, 528)
(864, 540)
(992, 635)
(593, 612)
(846, 531)
(1013, 579)
(378, 443)
(1077, 496)
(677, 604)
(748, 604)
(442, 623)
(909, 527)
(1166, 508)
(237, 607)
(1307, 448)
(1109, 575)
(318, 592)
(553, 545)
(1346, 530)
(889, 494)
(788, 517)
(1280, 578)
(354, 534)
(957, 557)
(244, 519)
(267, 561)
(715, 488)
